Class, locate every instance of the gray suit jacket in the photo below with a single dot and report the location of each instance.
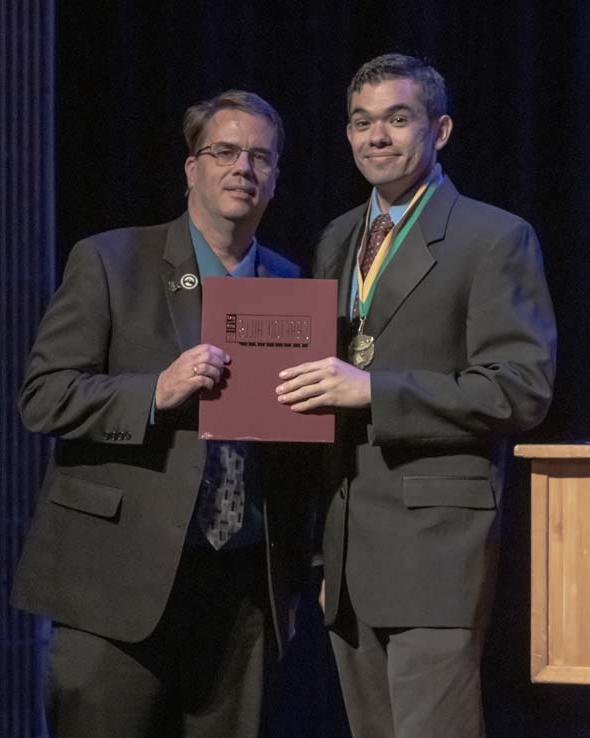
(111, 520)
(464, 355)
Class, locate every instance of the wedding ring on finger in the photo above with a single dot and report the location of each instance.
(195, 371)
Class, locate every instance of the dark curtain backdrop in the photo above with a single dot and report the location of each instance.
(518, 76)
(27, 275)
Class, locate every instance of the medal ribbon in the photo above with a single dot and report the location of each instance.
(392, 242)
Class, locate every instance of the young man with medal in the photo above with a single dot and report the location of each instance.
(450, 347)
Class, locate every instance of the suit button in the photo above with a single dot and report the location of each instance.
(342, 493)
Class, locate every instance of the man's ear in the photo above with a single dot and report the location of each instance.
(275, 180)
(189, 171)
(445, 128)
(349, 133)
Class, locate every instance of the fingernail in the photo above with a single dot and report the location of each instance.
(283, 373)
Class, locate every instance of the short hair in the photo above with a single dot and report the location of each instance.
(197, 116)
(395, 66)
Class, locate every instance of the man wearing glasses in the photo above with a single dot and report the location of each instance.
(164, 614)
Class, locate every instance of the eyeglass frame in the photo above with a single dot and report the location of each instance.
(238, 150)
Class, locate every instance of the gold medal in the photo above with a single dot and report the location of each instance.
(361, 349)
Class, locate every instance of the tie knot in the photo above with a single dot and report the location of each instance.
(381, 224)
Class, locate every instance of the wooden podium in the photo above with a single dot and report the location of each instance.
(560, 562)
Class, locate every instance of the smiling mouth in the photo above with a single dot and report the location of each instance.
(388, 155)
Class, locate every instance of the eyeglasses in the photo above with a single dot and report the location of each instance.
(226, 154)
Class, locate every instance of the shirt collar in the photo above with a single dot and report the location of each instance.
(209, 263)
(395, 211)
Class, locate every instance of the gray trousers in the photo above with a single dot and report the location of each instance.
(410, 682)
(200, 674)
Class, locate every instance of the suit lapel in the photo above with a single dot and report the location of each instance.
(348, 267)
(413, 260)
(343, 267)
(184, 304)
(399, 278)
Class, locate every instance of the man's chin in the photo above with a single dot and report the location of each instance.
(384, 179)
(376, 174)
(238, 210)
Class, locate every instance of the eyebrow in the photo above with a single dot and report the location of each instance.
(388, 111)
(261, 149)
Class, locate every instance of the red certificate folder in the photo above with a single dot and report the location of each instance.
(265, 325)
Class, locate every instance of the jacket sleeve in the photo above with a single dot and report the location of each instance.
(506, 385)
(67, 390)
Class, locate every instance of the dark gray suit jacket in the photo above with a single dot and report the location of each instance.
(464, 355)
(111, 520)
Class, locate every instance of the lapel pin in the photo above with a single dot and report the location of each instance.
(189, 281)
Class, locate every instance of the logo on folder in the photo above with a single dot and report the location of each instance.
(268, 330)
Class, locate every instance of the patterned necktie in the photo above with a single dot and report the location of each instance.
(379, 229)
(222, 494)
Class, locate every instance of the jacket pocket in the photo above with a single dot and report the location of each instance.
(88, 497)
(448, 491)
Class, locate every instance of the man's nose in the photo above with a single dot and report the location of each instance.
(379, 135)
(243, 163)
